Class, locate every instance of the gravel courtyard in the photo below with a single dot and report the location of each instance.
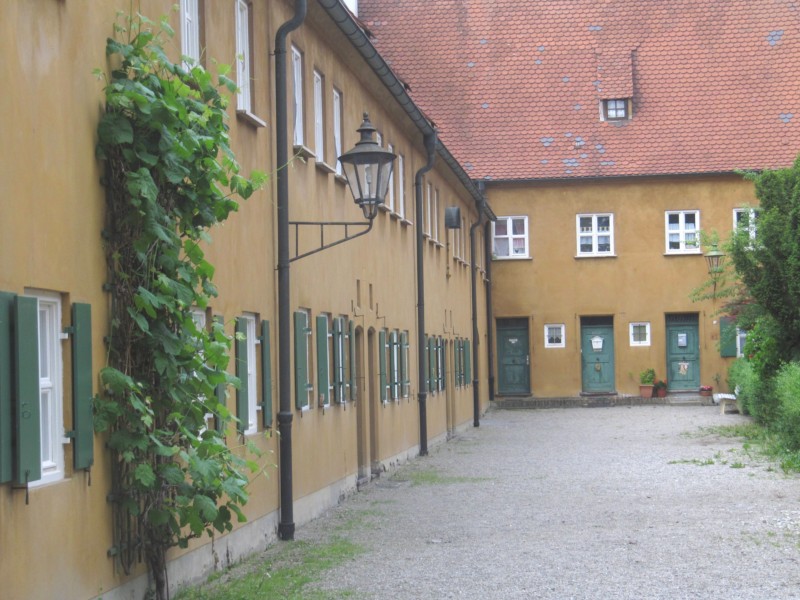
(642, 502)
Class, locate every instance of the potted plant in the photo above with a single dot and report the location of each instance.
(706, 390)
(646, 379)
(660, 387)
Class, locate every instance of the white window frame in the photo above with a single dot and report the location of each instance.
(509, 220)
(435, 224)
(190, 32)
(682, 232)
(337, 129)
(457, 243)
(390, 195)
(558, 344)
(394, 365)
(51, 387)
(297, 96)
(632, 326)
(244, 72)
(401, 186)
(319, 116)
(426, 221)
(615, 109)
(310, 362)
(752, 215)
(405, 379)
(741, 338)
(594, 234)
(250, 321)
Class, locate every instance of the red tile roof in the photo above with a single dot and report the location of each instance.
(515, 85)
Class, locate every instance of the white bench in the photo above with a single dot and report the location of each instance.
(724, 400)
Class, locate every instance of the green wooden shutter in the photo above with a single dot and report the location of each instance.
(382, 363)
(440, 363)
(266, 376)
(338, 360)
(467, 363)
(432, 364)
(323, 376)
(242, 394)
(444, 364)
(427, 368)
(727, 337)
(221, 389)
(7, 301)
(352, 365)
(404, 382)
(459, 363)
(301, 385)
(28, 459)
(83, 452)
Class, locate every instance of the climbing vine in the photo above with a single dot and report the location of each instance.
(170, 176)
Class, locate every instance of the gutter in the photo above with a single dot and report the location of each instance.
(422, 395)
(286, 524)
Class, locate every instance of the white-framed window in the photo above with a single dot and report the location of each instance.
(252, 389)
(337, 128)
(319, 116)
(405, 365)
(190, 31)
(51, 388)
(554, 335)
(741, 339)
(426, 219)
(595, 234)
(682, 231)
(615, 109)
(457, 243)
(510, 237)
(746, 218)
(435, 224)
(440, 370)
(639, 333)
(401, 186)
(394, 364)
(244, 72)
(390, 195)
(297, 96)
(340, 360)
(200, 320)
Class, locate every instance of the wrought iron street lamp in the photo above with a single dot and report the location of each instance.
(368, 168)
(715, 258)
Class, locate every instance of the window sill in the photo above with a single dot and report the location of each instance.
(503, 258)
(340, 179)
(439, 245)
(383, 208)
(595, 256)
(325, 167)
(684, 253)
(303, 151)
(405, 222)
(394, 215)
(250, 118)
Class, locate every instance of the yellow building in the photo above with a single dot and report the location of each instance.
(356, 402)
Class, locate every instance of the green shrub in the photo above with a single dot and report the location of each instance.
(787, 392)
(753, 394)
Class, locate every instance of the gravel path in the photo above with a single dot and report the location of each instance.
(599, 503)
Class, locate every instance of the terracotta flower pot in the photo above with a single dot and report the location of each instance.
(662, 392)
(646, 391)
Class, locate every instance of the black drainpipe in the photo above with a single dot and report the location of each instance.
(286, 524)
(487, 241)
(476, 407)
(430, 148)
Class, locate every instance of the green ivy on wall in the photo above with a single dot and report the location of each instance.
(170, 176)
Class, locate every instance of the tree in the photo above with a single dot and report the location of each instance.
(164, 144)
(769, 263)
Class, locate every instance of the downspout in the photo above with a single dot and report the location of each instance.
(487, 246)
(476, 408)
(430, 148)
(286, 524)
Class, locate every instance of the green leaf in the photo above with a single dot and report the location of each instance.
(144, 475)
(115, 381)
(115, 129)
(206, 507)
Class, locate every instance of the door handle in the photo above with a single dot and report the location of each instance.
(528, 359)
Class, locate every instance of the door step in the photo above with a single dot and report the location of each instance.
(597, 401)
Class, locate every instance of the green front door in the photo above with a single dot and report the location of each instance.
(683, 353)
(597, 355)
(513, 357)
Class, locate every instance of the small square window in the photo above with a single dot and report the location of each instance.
(510, 237)
(640, 334)
(746, 218)
(595, 234)
(682, 231)
(554, 336)
(615, 109)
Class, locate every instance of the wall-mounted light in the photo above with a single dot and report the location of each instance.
(368, 168)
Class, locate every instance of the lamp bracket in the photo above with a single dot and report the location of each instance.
(323, 245)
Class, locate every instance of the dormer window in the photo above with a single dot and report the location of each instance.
(616, 109)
